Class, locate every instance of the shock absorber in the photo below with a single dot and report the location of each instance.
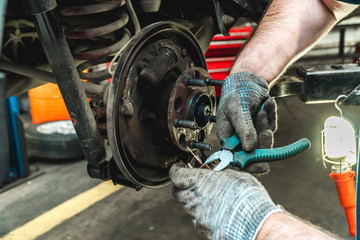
(99, 31)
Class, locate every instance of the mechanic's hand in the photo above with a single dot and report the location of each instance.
(241, 96)
(225, 205)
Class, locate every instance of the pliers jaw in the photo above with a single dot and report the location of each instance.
(225, 158)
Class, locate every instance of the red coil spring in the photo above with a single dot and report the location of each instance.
(99, 32)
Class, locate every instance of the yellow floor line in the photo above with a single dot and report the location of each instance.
(62, 212)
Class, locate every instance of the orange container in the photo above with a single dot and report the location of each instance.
(46, 104)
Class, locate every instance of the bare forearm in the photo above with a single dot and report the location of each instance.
(288, 29)
(284, 226)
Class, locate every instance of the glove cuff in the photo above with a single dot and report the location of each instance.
(247, 221)
(239, 77)
(276, 210)
(244, 80)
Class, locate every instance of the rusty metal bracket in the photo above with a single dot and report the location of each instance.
(322, 84)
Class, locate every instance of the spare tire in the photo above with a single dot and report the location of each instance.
(55, 140)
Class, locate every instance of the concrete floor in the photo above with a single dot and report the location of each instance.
(301, 185)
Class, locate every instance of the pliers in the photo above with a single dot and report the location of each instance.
(241, 159)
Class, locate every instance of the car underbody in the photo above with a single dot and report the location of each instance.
(159, 106)
(150, 114)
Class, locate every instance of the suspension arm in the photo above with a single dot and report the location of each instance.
(92, 90)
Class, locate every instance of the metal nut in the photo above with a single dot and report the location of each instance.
(126, 108)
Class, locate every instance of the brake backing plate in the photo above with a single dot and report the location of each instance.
(153, 117)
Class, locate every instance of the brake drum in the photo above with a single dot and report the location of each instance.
(154, 118)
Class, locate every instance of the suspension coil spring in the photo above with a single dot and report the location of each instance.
(99, 31)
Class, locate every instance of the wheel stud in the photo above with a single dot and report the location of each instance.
(185, 124)
(203, 82)
(200, 145)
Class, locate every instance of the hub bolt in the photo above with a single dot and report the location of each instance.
(200, 145)
(185, 124)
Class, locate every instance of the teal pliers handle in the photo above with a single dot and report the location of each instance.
(230, 143)
(242, 159)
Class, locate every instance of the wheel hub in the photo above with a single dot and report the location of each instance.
(190, 110)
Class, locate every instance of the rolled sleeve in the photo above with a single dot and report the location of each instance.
(357, 2)
(341, 8)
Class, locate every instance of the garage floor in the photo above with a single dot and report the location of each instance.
(300, 184)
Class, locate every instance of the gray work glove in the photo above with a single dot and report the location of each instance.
(226, 205)
(241, 96)
(265, 140)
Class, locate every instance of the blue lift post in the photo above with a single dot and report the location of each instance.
(19, 166)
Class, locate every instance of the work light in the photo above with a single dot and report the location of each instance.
(340, 149)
